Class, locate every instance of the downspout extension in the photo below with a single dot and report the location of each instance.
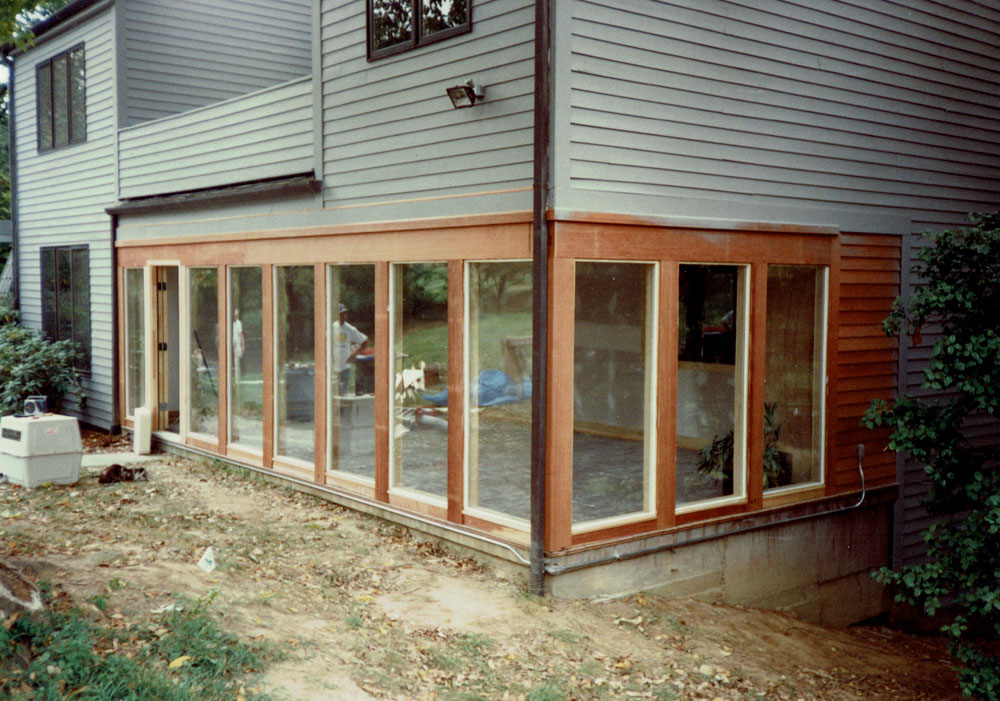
(540, 299)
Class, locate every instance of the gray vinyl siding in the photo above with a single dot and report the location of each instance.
(61, 196)
(832, 109)
(183, 54)
(266, 134)
(390, 132)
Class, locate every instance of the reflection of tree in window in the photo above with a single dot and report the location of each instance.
(707, 314)
(392, 23)
(439, 15)
(392, 26)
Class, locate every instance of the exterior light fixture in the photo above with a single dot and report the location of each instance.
(465, 95)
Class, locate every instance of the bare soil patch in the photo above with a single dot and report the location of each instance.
(365, 610)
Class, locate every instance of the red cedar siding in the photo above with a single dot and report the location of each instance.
(867, 360)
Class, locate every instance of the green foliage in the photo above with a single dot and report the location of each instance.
(64, 655)
(715, 460)
(31, 364)
(959, 301)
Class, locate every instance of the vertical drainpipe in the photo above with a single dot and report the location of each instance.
(116, 425)
(540, 299)
(15, 258)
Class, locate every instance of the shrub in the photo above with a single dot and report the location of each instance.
(961, 295)
(31, 364)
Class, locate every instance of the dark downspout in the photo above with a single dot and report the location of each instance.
(116, 426)
(540, 299)
(12, 155)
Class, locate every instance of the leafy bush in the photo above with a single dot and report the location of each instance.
(31, 364)
(961, 297)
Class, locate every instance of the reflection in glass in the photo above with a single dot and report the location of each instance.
(135, 346)
(45, 106)
(81, 307)
(442, 15)
(499, 387)
(794, 375)
(420, 350)
(246, 343)
(60, 105)
(77, 96)
(711, 382)
(351, 359)
(612, 390)
(203, 376)
(391, 23)
(295, 362)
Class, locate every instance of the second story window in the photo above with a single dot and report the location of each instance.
(61, 99)
(398, 25)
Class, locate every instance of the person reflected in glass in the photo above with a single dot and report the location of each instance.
(239, 345)
(348, 342)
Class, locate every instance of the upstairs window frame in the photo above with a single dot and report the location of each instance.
(418, 36)
(77, 327)
(49, 102)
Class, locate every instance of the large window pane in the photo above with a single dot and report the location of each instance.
(60, 100)
(351, 359)
(45, 106)
(390, 24)
(420, 349)
(711, 382)
(499, 387)
(246, 343)
(295, 362)
(794, 375)
(77, 97)
(442, 15)
(612, 390)
(81, 307)
(203, 317)
(135, 344)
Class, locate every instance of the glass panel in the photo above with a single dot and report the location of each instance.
(612, 390)
(203, 379)
(49, 315)
(81, 307)
(134, 341)
(420, 339)
(60, 100)
(499, 387)
(77, 97)
(442, 15)
(794, 375)
(391, 24)
(351, 359)
(64, 294)
(45, 106)
(246, 379)
(711, 382)
(295, 362)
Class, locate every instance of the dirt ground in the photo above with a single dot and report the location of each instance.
(365, 610)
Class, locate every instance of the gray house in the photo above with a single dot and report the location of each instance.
(594, 288)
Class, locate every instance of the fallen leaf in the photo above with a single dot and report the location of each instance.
(179, 662)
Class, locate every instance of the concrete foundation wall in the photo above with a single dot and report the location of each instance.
(816, 568)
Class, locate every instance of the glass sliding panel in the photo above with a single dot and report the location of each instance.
(81, 307)
(794, 375)
(60, 100)
(246, 341)
(420, 350)
(135, 341)
(499, 387)
(711, 382)
(351, 359)
(295, 362)
(77, 96)
(613, 380)
(45, 106)
(203, 380)
(64, 293)
(49, 315)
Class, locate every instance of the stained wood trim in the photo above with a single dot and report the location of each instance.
(248, 456)
(356, 485)
(222, 287)
(714, 512)
(120, 343)
(614, 532)
(321, 386)
(383, 389)
(666, 404)
(755, 378)
(267, 361)
(514, 536)
(293, 468)
(211, 446)
(758, 228)
(418, 506)
(456, 403)
(559, 473)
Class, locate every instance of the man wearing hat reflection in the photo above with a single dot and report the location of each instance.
(347, 343)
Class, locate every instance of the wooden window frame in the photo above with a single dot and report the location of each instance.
(51, 328)
(48, 102)
(418, 37)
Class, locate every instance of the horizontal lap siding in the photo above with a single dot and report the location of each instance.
(262, 135)
(867, 360)
(794, 104)
(61, 196)
(389, 130)
(183, 54)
